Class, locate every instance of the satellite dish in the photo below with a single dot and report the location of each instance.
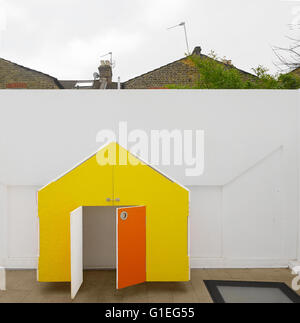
(96, 76)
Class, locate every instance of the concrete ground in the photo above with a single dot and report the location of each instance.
(99, 287)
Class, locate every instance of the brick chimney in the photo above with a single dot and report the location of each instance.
(105, 71)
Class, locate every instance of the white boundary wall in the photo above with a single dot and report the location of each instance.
(298, 104)
(3, 224)
(244, 209)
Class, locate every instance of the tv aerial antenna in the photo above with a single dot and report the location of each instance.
(182, 24)
(112, 62)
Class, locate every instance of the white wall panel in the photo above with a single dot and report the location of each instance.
(253, 212)
(3, 224)
(22, 226)
(244, 209)
(206, 221)
(58, 128)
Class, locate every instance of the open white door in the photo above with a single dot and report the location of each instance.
(76, 251)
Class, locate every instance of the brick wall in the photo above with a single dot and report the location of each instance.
(181, 72)
(296, 71)
(13, 76)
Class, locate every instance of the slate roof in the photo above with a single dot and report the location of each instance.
(32, 70)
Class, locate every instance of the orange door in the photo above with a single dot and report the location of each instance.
(131, 246)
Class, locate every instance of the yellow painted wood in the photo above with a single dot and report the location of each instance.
(90, 184)
(167, 217)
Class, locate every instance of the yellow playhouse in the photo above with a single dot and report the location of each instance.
(151, 220)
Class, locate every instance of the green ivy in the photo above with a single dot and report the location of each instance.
(218, 74)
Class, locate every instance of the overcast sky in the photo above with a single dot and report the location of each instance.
(65, 38)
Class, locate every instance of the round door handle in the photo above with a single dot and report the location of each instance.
(124, 216)
(108, 200)
(117, 200)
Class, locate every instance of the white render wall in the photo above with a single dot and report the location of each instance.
(298, 249)
(244, 209)
(3, 226)
(22, 227)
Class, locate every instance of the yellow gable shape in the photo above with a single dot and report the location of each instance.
(94, 181)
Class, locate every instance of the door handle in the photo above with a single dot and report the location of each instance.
(124, 216)
(109, 200)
